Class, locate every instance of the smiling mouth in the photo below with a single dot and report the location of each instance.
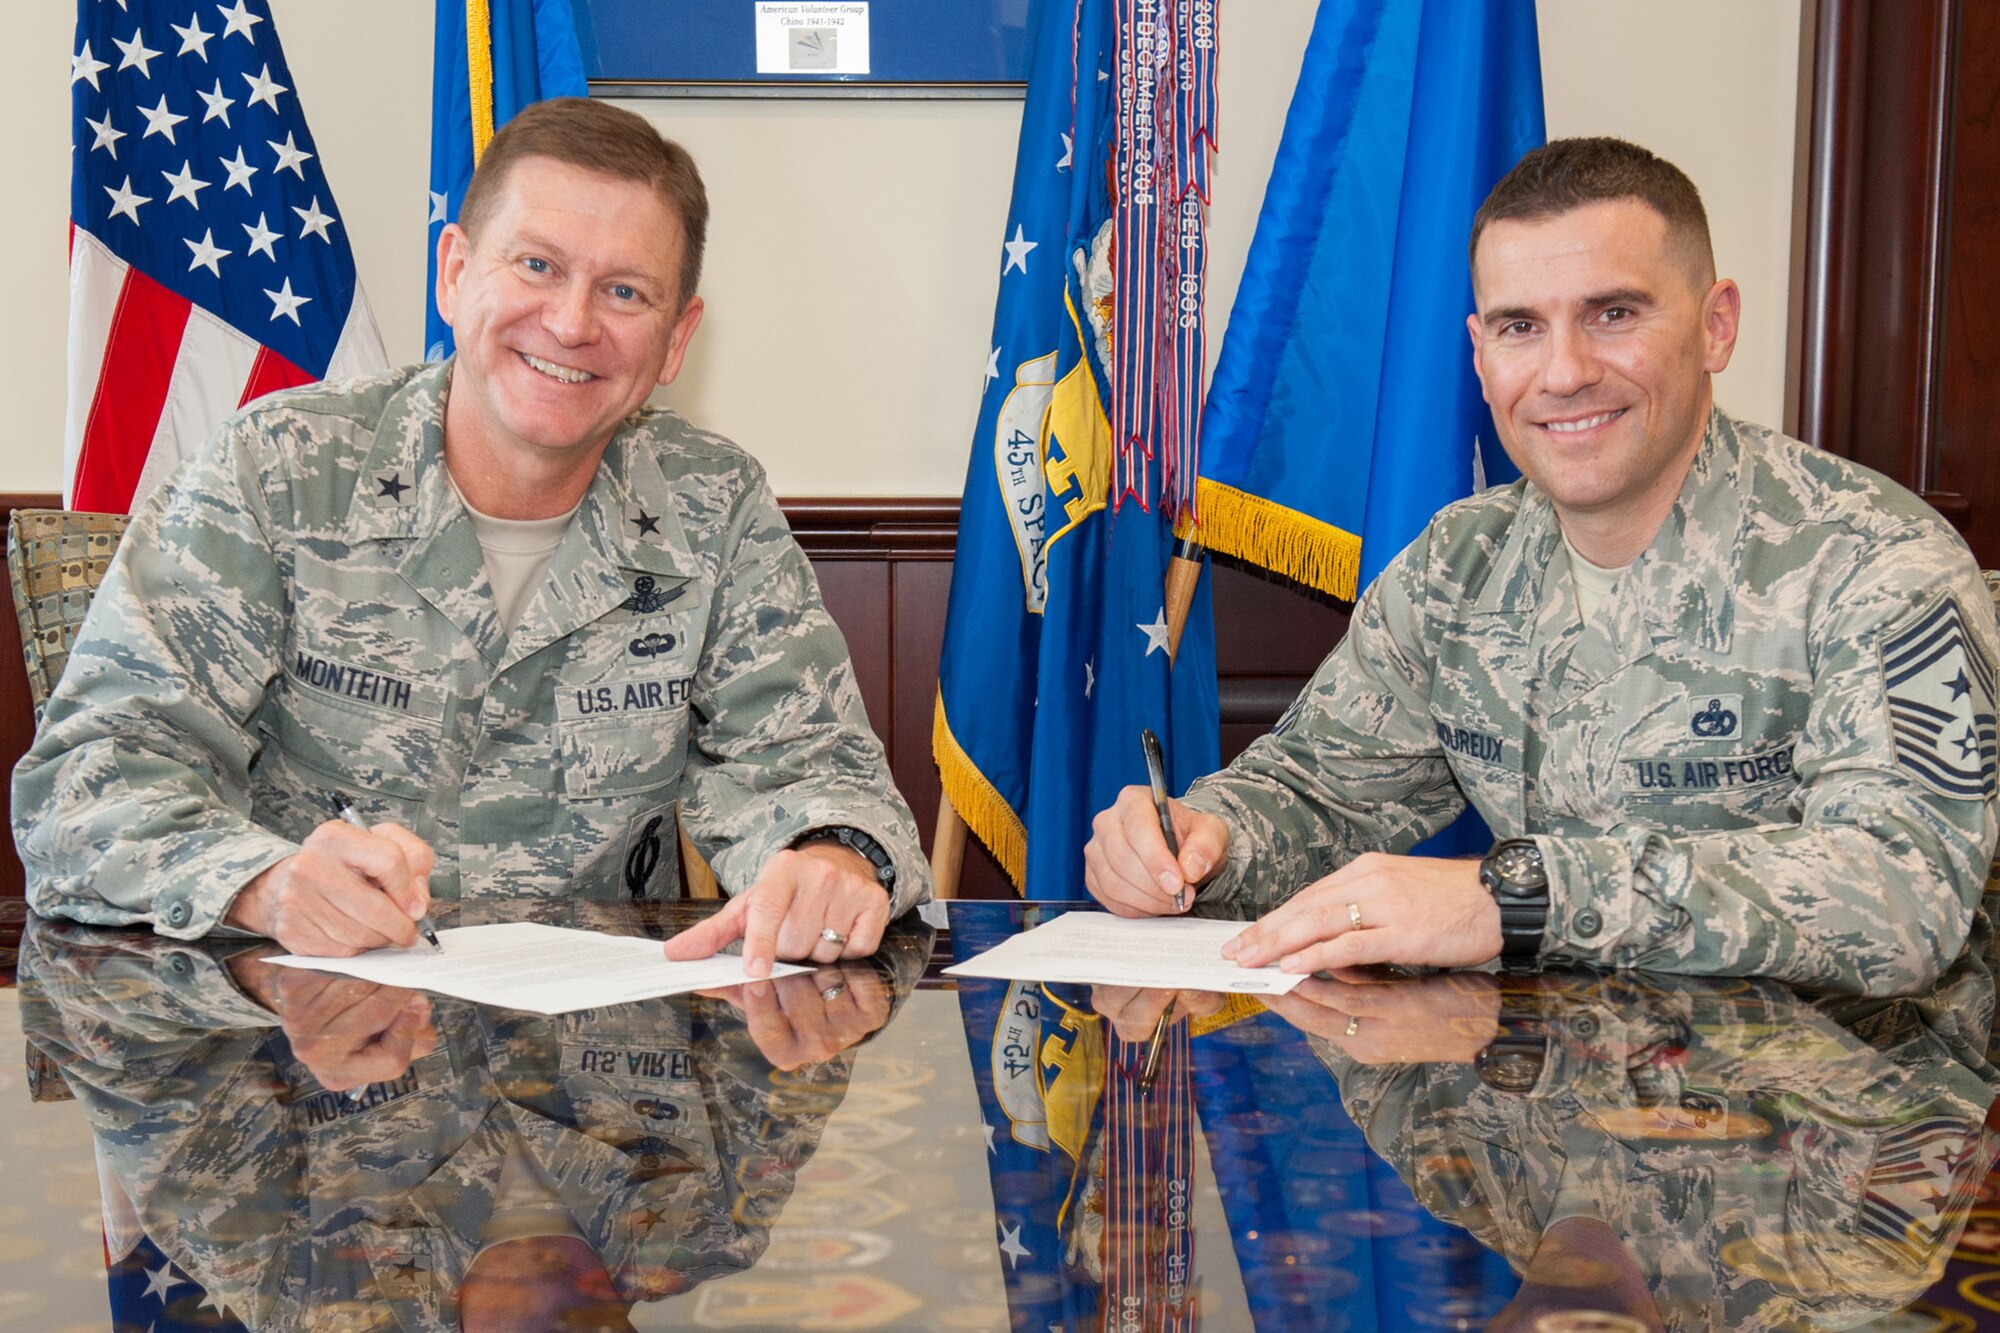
(1583, 423)
(563, 374)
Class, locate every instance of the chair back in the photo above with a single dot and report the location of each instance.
(55, 560)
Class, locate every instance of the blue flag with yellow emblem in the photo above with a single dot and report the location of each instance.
(1055, 654)
(1344, 411)
(490, 58)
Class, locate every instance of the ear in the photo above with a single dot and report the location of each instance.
(677, 341)
(1721, 312)
(454, 248)
(1478, 364)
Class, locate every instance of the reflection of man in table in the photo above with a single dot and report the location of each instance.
(1713, 1155)
(518, 622)
(500, 1170)
(1727, 700)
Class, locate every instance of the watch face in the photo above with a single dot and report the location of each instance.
(1518, 865)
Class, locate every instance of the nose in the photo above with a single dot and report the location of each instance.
(1571, 366)
(570, 314)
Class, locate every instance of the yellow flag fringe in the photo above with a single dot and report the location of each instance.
(479, 68)
(1282, 540)
(978, 803)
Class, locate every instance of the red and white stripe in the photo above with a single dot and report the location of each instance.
(151, 376)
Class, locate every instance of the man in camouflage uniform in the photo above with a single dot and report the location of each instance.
(655, 1143)
(1728, 701)
(518, 622)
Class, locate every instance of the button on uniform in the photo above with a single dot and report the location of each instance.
(1588, 923)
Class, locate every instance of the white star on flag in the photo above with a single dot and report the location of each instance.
(261, 237)
(987, 1131)
(160, 1281)
(284, 304)
(1017, 251)
(81, 66)
(1069, 151)
(159, 120)
(107, 138)
(218, 103)
(240, 171)
(315, 222)
(137, 54)
(239, 20)
(437, 208)
(1156, 633)
(206, 253)
(1011, 1246)
(264, 88)
(193, 38)
(993, 365)
(291, 157)
(1090, 676)
(186, 185)
(124, 200)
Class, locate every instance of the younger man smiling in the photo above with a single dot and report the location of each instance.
(514, 620)
(1727, 701)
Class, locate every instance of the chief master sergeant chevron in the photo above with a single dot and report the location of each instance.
(509, 615)
(1728, 701)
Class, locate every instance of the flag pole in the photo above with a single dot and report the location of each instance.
(1183, 573)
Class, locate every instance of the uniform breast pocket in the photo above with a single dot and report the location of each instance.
(387, 741)
(624, 737)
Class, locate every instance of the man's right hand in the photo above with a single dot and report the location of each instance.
(345, 891)
(1127, 867)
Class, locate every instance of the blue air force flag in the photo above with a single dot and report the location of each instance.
(1941, 703)
(489, 59)
(1055, 654)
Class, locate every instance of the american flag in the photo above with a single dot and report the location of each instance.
(208, 264)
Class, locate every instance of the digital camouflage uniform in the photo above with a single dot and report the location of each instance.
(672, 1144)
(302, 618)
(1771, 751)
(1769, 1161)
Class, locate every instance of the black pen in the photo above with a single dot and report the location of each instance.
(1156, 777)
(424, 926)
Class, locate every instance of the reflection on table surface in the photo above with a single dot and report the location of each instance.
(863, 1147)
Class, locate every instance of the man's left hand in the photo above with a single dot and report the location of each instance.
(802, 894)
(1417, 910)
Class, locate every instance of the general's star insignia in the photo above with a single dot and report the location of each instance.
(392, 486)
(647, 524)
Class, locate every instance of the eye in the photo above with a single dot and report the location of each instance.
(1617, 314)
(624, 291)
(536, 264)
(1517, 328)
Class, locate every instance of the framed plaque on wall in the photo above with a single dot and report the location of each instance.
(805, 48)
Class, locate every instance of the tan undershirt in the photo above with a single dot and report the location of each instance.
(1593, 583)
(517, 552)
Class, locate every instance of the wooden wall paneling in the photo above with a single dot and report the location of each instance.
(857, 597)
(1968, 400)
(1868, 343)
(1269, 640)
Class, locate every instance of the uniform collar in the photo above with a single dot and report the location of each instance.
(1687, 577)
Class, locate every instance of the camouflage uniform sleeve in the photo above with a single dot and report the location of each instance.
(781, 743)
(1873, 889)
(1353, 766)
(133, 806)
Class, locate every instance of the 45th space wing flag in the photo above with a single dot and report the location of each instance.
(1055, 653)
(489, 59)
(208, 263)
(1344, 411)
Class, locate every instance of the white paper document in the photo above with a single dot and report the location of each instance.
(543, 969)
(1165, 953)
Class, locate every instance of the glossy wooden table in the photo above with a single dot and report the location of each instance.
(876, 1147)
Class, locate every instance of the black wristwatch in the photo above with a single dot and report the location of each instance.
(1513, 873)
(856, 841)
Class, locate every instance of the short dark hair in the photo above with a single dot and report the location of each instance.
(1567, 174)
(596, 136)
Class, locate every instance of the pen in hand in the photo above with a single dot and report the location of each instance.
(1156, 777)
(1150, 1069)
(424, 926)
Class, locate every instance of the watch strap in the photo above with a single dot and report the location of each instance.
(862, 844)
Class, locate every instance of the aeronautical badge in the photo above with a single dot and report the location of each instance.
(646, 596)
(1940, 689)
